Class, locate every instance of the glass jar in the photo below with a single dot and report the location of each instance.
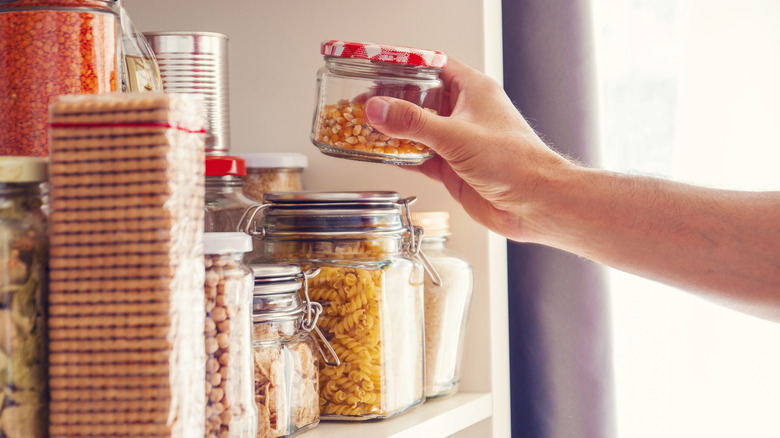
(354, 72)
(273, 172)
(23, 294)
(446, 305)
(49, 48)
(371, 290)
(225, 201)
(285, 353)
(230, 404)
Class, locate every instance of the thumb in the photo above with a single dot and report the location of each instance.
(401, 119)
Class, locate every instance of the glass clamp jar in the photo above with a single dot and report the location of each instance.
(23, 296)
(230, 406)
(273, 172)
(50, 48)
(225, 202)
(286, 366)
(371, 290)
(446, 305)
(354, 72)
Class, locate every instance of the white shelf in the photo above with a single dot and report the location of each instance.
(435, 418)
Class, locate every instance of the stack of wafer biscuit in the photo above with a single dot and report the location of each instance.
(126, 306)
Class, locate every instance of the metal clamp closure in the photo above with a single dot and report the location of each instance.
(413, 247)
(249, 216)
(312, 314)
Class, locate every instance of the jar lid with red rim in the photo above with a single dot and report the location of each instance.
(385, 53)
(222, 165)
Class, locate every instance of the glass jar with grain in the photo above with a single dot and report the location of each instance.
(354, 72)
(273, 172)
(49, 48)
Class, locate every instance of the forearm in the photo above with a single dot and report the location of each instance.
(723, 245)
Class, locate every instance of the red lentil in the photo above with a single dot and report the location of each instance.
(49, 48)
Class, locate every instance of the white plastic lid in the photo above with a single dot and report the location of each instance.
(226, 242)
(274, 160)
(22, 169)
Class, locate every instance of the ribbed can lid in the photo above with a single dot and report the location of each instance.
(434, 223)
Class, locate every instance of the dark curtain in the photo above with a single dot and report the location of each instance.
(561, 377)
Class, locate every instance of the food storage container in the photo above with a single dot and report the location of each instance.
(371, 290)
(354, 72)
(23, 290)
(446, 305)
(225, 201)
(48, 48)
(285, 353)
(273, 172)
(230, 404)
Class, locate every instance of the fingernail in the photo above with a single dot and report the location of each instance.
(376, 110)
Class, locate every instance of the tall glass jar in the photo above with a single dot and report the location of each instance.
(225, 201)
(352, 73)
(230, 404)
(370, 288)
(285, 353)
(23, 294)
(49, 48)
(446, 305)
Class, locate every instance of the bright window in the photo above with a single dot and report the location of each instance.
(690, 90)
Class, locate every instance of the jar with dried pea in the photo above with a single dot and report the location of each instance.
(370, 288)
(285, 353)
(49, 48)
(354, 72)
(273, 172)
(230, 404)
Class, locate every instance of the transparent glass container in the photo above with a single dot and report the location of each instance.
(370, 287)
(225, 202)
(49, 48)
(446, 305)
(273, 172)
(285, 352)
(23, 296)
(230, 403)
(354, 72)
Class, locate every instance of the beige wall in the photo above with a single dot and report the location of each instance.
(273, 59)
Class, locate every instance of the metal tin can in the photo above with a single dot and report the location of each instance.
(354, 72)
(370, 286)
(197, 63)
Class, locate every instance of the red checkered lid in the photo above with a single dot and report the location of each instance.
(381, 52)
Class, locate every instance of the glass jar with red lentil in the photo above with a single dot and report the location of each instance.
(49, 48)
(354, 72)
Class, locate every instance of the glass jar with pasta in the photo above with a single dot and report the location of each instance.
(285, 353)
(370, 286)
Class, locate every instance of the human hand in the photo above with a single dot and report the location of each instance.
(489, 158)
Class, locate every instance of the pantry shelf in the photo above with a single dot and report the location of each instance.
(435, 418)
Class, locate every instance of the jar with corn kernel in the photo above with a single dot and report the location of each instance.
(230, 407)
(370, 286)
(286, 363)
(352, 73)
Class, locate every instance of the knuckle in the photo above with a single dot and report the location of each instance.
(412, 119)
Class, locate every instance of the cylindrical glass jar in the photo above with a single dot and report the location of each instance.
(230, 404)
(49, 48)
(23, 295)
(285, 353)
(273, 172)
(370, 288)
(446, 305)
(354, 72)
(225, 201)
